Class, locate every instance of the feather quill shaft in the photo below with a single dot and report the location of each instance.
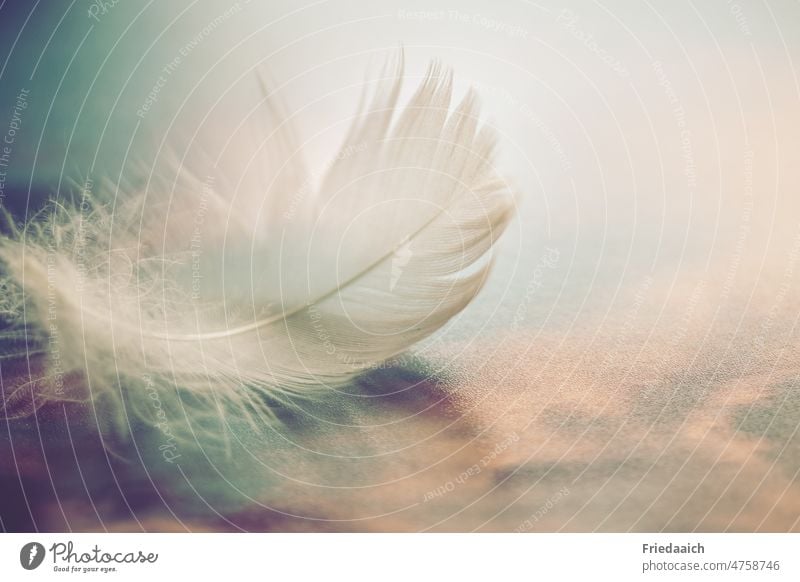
(303, 293)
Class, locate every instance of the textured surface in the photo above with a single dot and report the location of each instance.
(633, 364)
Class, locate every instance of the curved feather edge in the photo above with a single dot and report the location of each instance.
(115, 313)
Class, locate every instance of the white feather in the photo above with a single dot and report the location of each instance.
(262, 289)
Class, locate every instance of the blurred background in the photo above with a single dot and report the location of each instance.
(632, 364)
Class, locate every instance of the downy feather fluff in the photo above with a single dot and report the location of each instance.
(240, 295)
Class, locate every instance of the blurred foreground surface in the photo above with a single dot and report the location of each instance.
(632, 364)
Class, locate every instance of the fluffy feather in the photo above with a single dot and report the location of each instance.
(261, 290)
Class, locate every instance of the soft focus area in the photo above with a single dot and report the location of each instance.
(632, 363)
